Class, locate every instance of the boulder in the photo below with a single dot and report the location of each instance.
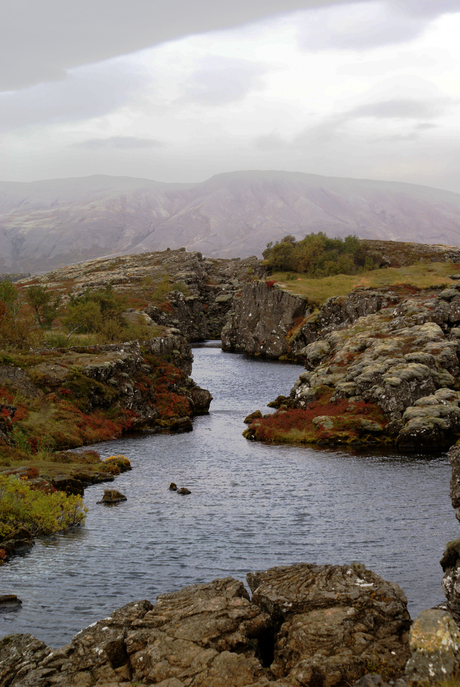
(435, 648)
(69, 485)
(184, 491)
(201, 400)
(9, 602)
(252, 416)
(336, 623)
(112, 496)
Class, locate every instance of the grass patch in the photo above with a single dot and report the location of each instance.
(419, 276)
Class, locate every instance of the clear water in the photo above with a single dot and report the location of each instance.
(252, 506)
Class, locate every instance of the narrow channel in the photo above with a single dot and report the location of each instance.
(252, 506)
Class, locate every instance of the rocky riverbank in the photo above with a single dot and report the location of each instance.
(63, 398)
(382, 366)
(303, 625)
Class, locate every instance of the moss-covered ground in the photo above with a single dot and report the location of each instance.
(418, 276)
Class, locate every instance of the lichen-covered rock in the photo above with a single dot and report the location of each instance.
(336, 622)
(20, 656)
(396, 359)
(450, 563)
(435, 648)
(454, 459)
(305, 625)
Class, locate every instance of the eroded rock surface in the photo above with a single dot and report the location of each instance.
(435, 647)
(306, 625)
(403, 359)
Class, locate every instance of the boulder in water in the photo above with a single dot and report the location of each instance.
(112, 496)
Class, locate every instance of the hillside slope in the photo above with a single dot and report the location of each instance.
(47, 224)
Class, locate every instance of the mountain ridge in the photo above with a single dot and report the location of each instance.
(47, 224)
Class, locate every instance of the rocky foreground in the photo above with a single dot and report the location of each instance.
(303, 625)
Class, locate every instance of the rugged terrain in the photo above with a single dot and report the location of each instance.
(173, 288)
(304, 625)
(382, 366)
(48, 224)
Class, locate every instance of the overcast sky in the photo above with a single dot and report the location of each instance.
(179, 90)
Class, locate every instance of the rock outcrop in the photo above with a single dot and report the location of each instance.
(400, 362)
(260, 320)
(101, 391)
(185, 291)
(306, 625)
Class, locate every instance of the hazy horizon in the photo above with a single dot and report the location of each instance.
(229, 172)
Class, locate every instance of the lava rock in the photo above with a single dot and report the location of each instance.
(435, 647)
(305, 625)
(112, 496)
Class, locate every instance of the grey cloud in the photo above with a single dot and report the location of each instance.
(330, 130)
(363, 28)
(85, 93)
(396, 138)
(42, 40)
(221, 80)
(270, 142)
(399, 109)
(369, 24)
(429, 8)
(118, 143)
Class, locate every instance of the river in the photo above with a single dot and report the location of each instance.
(252, 506)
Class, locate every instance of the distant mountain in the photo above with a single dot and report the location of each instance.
(48, 224)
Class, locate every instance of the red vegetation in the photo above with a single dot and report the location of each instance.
(346, 416)
(270, 283)
(170, 403)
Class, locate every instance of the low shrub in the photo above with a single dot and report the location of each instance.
(41, 514)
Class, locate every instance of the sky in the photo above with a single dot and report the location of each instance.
(177, 91)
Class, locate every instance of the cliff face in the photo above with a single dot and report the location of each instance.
(266, 321)
(260, 319)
